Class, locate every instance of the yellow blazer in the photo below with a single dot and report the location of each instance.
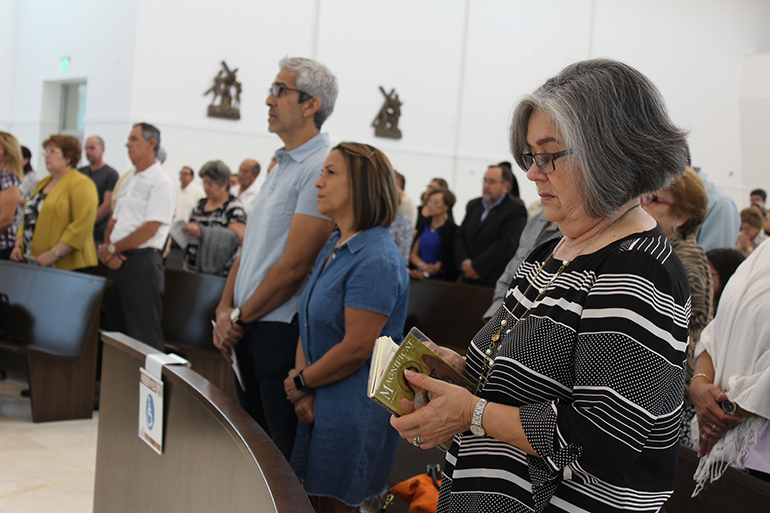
(68, 215)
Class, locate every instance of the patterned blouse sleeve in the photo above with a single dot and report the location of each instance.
(628, 374)
(235, 212)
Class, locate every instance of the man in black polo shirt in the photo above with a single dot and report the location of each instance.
(104, 177)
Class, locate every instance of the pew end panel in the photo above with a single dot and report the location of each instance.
(189, 305)
(53, 323)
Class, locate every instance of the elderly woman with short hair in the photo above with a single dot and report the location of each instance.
(60, 213)
(218, 221)
(580, 372)
(357, 291)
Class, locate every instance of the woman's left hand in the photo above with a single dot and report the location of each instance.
(193, 229)
(449, 412)
(292, 394)
(46, 259)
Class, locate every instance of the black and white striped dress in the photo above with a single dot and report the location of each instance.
(597, 368)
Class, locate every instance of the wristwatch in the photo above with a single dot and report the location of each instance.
(299, 382)
(111, 249)
(476, 427)
(235, 318)
(55, 252)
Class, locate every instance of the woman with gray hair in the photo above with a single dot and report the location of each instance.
(218, 221)
(580, 372)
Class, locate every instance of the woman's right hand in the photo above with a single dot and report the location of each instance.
(713, 422)
(17, 255)
(449, 412)
(305, 409)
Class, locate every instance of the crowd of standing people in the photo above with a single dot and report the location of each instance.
(610, 301)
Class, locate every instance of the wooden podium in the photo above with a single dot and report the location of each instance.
(215, 457)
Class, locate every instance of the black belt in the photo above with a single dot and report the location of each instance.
(140, 250)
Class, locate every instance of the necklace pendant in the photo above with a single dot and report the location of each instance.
(495, 337)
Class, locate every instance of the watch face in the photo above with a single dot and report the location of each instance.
(729, 407)
(478, 430)
(299, 383)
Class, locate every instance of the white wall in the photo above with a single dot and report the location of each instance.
(755, 127)
(8, 14)
(98, 37)
(458, 66)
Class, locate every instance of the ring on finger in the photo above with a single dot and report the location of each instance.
(713, 427)
(416, 442)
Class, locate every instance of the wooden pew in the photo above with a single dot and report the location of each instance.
(53, 322)
(189, 304)
(449, 313)
(735, 491)
(215, 457)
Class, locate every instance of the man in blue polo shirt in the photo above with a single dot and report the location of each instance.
(257, 315)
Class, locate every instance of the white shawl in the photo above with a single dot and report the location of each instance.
(738, 341)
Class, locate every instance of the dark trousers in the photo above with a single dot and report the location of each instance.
(266, 355)
(133, 302)
(5, 254)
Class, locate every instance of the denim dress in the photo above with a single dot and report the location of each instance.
(349, 450)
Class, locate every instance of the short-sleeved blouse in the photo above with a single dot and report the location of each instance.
(8, 237)
(597, 369)
(231, 211)
(349, 450)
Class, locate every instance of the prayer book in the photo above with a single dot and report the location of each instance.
(387, 383)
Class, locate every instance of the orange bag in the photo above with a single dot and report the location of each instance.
(420, 492)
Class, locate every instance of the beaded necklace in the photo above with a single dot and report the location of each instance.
(493, 346)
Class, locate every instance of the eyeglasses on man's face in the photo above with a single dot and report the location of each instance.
(654, 198)
(278, 89)
(545, 161)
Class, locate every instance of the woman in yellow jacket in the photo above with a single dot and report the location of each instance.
(59, 216)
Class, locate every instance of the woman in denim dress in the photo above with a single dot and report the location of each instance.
(358, 291)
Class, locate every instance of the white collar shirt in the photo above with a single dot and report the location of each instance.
(249, 196)
(147, 196)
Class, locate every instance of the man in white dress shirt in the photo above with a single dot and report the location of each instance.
(135, 236)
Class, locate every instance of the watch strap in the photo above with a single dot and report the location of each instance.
(299, 382)
(478, 414)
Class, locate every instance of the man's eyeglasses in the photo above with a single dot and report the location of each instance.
(542, 160)
(278, 89)
(654, 198)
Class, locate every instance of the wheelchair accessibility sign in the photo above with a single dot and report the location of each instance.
(151, 411)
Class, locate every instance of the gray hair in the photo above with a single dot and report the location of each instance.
(217, 171)
(150, 132)
(614, 121)
(316, 80)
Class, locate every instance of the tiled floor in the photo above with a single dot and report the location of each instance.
(47, 466)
